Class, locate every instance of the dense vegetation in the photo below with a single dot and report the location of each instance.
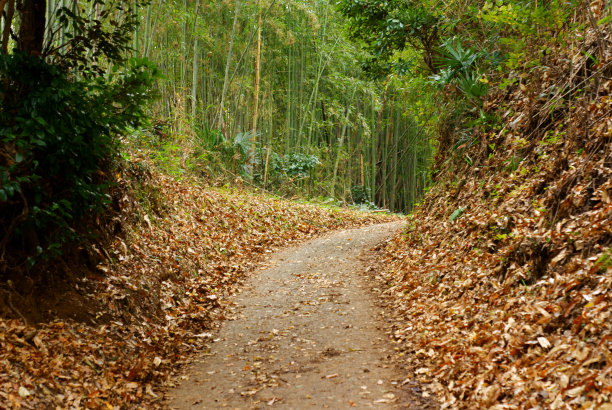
(494, 116)
(500, 284)
(67, 92)
(280, 99)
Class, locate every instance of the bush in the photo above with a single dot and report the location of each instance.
(300, 165)
(56, 148)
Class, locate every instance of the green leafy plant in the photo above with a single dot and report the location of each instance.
(456, 214)
(299, 165)
(360, 195)
(518, 21)
(459, 66)
(604, 262)
(390, 26)
(58, 145)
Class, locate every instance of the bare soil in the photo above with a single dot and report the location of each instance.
(305, 332)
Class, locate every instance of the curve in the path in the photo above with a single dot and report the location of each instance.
(305, 333)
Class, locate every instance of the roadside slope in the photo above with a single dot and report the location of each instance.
(502, 281)
(174, 252)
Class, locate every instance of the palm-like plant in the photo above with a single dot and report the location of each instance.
(460, 66)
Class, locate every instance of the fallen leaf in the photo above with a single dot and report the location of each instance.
(544, 342)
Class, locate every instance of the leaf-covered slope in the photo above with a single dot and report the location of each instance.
(502, 279)
(160, 290)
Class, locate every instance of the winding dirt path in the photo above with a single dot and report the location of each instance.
(304, 333)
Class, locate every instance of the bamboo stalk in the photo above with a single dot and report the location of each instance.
(266, 167)
(361, 170)
(220, 121)
(3, 22)
(251, 154)
(194, 79)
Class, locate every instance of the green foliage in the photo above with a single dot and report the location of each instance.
(460, 66)
(57, 144)
(299, 165)
(213, 155)
(527, 17)
(243, 145)
(456, 214)
(604, 262)
(513, 164)
(517, 22)
(95, 32)
(234, 153)
(387, 27)
(361, 196)
(457, 60)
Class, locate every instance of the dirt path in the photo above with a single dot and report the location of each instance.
(305, 333)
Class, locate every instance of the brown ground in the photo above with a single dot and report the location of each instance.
(306, 332)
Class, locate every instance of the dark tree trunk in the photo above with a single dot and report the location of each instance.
(326, 133)
(32, 30)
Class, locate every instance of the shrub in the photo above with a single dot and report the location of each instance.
(56, 148)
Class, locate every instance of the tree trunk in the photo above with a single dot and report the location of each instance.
(32, 30)
(149, 39)
(376, 170)
(341, 143)
(257, 69)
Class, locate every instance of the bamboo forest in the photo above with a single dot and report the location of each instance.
(274, 92)
(295, 204)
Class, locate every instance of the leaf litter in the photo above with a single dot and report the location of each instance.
(162, 287)
(305, 332)
(501, 283)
